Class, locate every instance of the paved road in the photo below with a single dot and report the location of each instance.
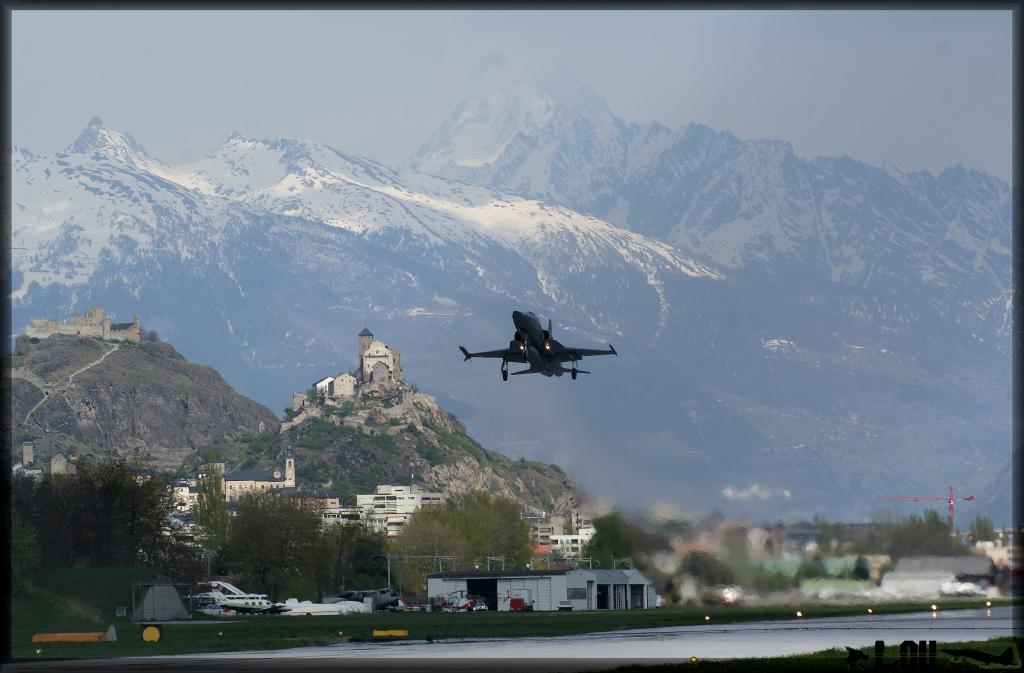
(592, 652)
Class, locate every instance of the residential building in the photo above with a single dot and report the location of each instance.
(390, 507)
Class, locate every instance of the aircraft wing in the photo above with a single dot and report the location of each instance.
(568, 354)
(510, 354)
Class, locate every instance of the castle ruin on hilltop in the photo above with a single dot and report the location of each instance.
(93, 323)
(380, 371)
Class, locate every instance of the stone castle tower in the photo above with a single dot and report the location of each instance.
(365, 339)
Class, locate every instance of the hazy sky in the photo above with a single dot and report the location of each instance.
(920, 89)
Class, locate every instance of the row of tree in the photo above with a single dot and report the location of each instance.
(106, 514)
(109, 513)
(927, 535)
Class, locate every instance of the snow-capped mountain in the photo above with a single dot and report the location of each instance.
(915, 242)
(554, 140)
(266, 257)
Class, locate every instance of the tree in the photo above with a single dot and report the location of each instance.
(981, 530)
(271, 540)
(211, 507)
(612, 540)
(469, 526)
(24, 554)
(706, 568)
(106, 514)
(861, 569)
(929, 536)
(344, 558)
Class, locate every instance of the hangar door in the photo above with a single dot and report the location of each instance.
(539, 589)
(486, 588)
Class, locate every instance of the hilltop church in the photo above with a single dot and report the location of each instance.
(380, 368)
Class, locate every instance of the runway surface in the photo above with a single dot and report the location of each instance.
(706, 641)
(597, 651)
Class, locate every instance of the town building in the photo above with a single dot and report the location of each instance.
(186, 494)
(570, 546)
(389, 507)
(343, 515)
(925, 575)
(94, 323)
(548, 590)
(58, 464)
(244, 481)
(325, 498)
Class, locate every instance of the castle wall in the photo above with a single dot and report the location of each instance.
(93, 323)
(130, 331)
(396, 365)
(345, 386)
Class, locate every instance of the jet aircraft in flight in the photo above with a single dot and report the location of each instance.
(534, 345)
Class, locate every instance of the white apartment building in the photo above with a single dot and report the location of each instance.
(569, 546)
(390, 507)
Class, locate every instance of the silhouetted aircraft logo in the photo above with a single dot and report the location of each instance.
(1007, 658)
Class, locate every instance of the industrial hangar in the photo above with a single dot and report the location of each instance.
(579, 589)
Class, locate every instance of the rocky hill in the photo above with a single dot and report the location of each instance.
(83, 395)
(80, 395)
(398, 438)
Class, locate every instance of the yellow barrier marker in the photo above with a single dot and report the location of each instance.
(390, 633)
(89, 637)
(151, 634)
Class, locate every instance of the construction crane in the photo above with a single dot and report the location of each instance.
(950, 500)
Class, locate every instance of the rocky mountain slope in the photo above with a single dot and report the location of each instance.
(279, 251)
(81, 395)
(85, 395)
(398, 438)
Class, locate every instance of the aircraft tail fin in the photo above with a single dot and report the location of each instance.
(465, 352)
(550, 332)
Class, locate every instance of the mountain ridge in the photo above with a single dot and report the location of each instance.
(711, 358)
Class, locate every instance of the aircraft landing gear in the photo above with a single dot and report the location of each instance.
(573, 373)
(504, 370)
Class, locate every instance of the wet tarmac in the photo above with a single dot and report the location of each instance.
(597, 651)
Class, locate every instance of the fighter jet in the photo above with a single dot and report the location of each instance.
(533, 345)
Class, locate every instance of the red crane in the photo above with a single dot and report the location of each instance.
(950, 499)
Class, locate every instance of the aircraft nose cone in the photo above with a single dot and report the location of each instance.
(517, 316)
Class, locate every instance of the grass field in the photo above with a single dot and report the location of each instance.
(84, 600)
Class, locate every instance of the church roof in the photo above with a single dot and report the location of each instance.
(366, 332)
(252, 475)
